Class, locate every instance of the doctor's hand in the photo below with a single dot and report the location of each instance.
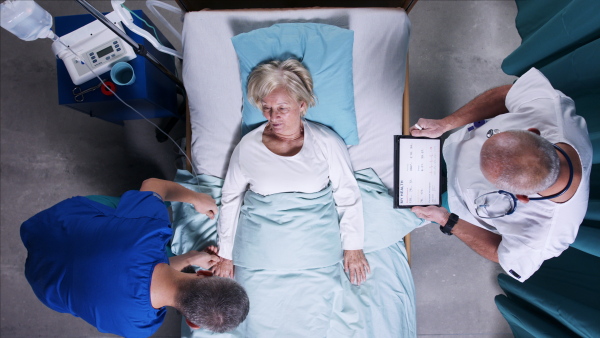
(224, 268)
(355, 263)
(432, 213)
(428, 128)
(205, 204)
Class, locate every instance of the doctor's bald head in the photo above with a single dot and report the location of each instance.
(520, 162)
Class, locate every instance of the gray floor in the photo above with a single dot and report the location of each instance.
(49, 153)
(456, 51)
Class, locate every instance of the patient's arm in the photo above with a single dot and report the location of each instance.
(346, 193)
(485, 106)
(232, 196)
(171, 191)
(350, 211)
(349, 207)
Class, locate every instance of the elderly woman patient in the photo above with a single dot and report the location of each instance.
(290, 154)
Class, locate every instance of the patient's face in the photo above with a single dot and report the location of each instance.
(282, 111)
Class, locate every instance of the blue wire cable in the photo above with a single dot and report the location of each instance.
(144, 21)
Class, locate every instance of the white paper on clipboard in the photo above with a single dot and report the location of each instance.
(418, 172)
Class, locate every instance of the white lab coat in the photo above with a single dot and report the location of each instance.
(537, 230)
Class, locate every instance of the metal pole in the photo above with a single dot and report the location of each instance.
(138, 48)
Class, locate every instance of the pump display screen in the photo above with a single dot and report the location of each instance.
(104, 51)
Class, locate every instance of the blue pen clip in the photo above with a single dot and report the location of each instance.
(476, 125)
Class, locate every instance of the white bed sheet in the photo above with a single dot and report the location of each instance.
(212, 80)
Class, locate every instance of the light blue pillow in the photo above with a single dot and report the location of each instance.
(325, 50)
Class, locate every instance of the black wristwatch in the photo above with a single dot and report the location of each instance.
(447, 229)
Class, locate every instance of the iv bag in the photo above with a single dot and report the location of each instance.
(26, 19)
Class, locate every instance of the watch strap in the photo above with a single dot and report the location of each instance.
(447, 228)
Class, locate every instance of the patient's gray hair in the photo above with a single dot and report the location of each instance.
(214, 303)
(520, 162)
(289, 74)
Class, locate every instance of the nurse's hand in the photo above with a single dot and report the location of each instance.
(212, 249)
(193, 257)
(432, 213)
(356, 265)
(224, 268)
(428, 128)
(205, 204)
(203, 259)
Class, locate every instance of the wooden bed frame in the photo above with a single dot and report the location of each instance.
(198, 5)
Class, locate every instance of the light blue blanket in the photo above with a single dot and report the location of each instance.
(288, 231)
(318, 301)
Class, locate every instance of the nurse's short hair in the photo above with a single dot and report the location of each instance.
(520, 162)
(214, 303)
(289, 74)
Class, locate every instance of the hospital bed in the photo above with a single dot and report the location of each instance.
(211, 74)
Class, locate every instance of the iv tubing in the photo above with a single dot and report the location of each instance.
(155, 3)
(146, 23)
(139, 49)
(140, 114)
(117, 6)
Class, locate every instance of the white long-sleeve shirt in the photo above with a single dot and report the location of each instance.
(323, 158)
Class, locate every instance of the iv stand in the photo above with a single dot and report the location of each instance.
(138, 49)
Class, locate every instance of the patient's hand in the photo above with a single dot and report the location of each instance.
(429, 128)
(205, 204)
(224, 268)
(355, 263)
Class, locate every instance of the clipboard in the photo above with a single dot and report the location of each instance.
(417, 171)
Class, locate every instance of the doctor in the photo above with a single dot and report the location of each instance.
(518, 173)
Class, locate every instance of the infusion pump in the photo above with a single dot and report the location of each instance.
(95, 45)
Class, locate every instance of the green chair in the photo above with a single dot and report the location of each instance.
(562, 299)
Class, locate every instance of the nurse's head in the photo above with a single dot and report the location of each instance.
(520, 162)
(213, 303)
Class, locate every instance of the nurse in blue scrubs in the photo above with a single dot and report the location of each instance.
(104, 259)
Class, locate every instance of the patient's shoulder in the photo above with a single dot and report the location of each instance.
(252, 137)
(323, 131)
(327, 139)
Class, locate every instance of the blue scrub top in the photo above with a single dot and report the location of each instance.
(96, 262)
